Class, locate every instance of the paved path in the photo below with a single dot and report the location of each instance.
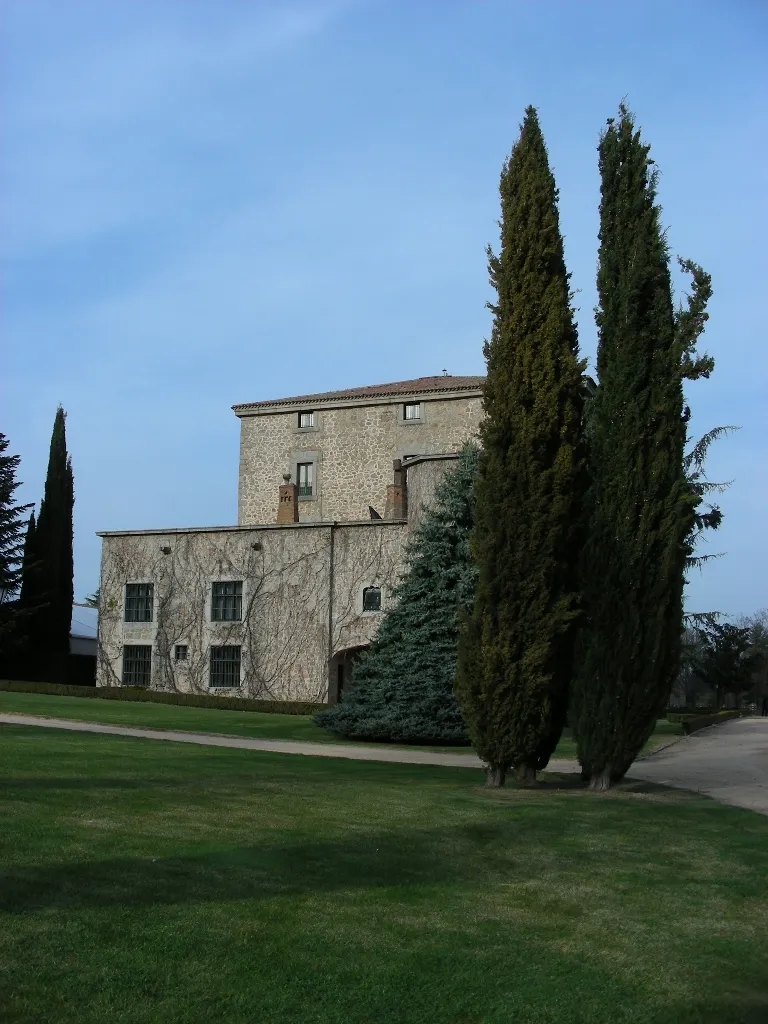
(727, 762)
(349, 751)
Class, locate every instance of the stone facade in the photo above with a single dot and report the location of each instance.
(305, 596)
(351, 446)
(301, 606)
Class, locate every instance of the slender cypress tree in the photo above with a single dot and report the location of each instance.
(516, 648)
(402, 687)
(641, 506)
(53, 546)
(11, 544)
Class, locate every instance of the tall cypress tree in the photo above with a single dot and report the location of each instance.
(515, 650)
(402, 687)
(11, 544)
(53, 546)
(640, 507)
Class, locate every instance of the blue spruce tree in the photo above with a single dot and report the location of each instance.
(402, 686)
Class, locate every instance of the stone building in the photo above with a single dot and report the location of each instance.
(278, 606)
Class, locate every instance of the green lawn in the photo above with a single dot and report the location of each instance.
(235, 723)
(153, 882)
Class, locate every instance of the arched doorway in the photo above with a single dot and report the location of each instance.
(340, 672)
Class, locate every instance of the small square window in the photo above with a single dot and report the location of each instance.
(412, 411)
(225, 666)
(137, 665)
(227, 601)
(372, 599)
(138, 602)
(305, 473)
(180, 652)
(306, 420)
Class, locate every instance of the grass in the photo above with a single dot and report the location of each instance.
(152, 882)
(234, 723)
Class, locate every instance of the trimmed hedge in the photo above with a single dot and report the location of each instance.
(190, 700)
(695, 722)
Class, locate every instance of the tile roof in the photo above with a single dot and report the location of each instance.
(419, 386)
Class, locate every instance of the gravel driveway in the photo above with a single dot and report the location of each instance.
(727, 762)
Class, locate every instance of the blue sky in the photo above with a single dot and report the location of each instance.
(204, 203)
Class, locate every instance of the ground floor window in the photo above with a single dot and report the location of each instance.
(225, 666)
(137, 665)
(372, 599)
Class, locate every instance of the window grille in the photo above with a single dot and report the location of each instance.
(138, 602)
(180, 652)
(227, 602)
(412, 411)
(372, 599)
(137, 665)
(305, 474)
(225, 666)
(306, 419)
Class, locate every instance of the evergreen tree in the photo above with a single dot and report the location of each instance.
(516, 648)
(52, 541)
(641, 507)
(402, 687)
(11, 543)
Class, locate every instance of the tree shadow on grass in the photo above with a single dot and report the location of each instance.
(30, 785)
(260, 871)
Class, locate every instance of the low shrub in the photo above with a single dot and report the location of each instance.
(190, 700)
(694, 722)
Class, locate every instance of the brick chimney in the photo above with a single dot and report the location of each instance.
(397, 494)
(288, 504)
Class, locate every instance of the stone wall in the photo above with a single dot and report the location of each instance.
(302, 601)
(352, 448)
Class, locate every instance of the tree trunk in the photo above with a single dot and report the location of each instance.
(526, 774)
(496, 777)
(601, 781)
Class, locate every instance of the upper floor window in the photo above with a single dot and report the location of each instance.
(412, 411)
(225, 666)
(372, 599)
(137, 665)
(305, 474)
(138, 602)
(227, 601)
(180, 652)
(306, 419)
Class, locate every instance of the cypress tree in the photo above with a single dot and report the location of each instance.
(516, 648)
(53, 546)
(11, 544)
(640, 508)
(402, 687)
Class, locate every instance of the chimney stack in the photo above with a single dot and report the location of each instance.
(288, 504)
(397, 494)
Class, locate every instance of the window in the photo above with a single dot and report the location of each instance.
(306, 420)
(225, 666)
(305, 474)
(372, 599)
(137, 665)
(412, 411)
(180, 652)
(227, 602)
(138, 602)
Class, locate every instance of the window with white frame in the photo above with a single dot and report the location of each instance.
(306, 420)
(412, 411)
(225, 666)
(227, 601)
(138, 602)
(305, 474)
